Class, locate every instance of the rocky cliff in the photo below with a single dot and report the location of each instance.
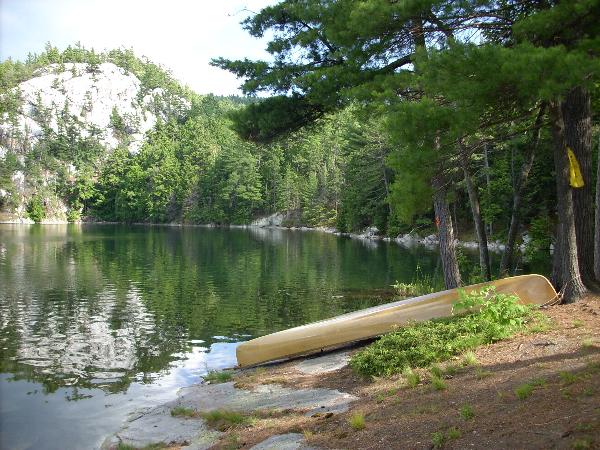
(50, 123)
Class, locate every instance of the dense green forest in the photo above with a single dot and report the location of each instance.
(407, 116)
(452, 82)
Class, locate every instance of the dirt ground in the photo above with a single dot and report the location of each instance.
(534, 391)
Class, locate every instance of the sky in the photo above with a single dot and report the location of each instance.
(181, 35)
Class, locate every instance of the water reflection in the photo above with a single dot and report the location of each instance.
(90, 305)
(97, 320)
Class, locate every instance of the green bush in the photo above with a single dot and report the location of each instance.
(489, 317)
(35, 209)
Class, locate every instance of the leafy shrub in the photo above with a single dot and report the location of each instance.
(489, 317)
(35, 209)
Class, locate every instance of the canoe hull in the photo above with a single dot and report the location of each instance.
(371, 322)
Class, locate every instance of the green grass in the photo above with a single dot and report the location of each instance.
(584, 427)
(426, 343)
(218, 377)
(436, 371)
(180, 411)
(421, 284)
(454, 433)
(537, 382)
(157, 446)
(587, 343)
(223, 420)
(480, 373)
(593, 366)
(582, 444)
(451, 369)
(466, 412)
(524, 391)
(577, 323)
(438, 439)
(438, 384)
(357, 421)
(469, 359)
(567, 377)
(411, 378)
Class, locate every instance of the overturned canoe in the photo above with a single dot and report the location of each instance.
(371, 322)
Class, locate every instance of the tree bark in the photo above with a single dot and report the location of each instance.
(597, 235)
(577, 116)
(484, 257)
(506, 263)
(486, 163)
(566, 266)
(446, 234)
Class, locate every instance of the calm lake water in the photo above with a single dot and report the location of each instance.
(98, 320)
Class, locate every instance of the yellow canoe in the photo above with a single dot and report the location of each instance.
(371, 322)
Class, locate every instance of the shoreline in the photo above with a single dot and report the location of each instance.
(407, 240)
(312, 402)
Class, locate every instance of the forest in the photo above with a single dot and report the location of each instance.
(471, 119)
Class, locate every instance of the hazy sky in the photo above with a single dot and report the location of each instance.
(182, 35)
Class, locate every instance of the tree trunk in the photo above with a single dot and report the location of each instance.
(507, 262)
(597, 236)
(484, 257)
(446, 234)
(567, 276)
(577, 116)
(486, 162)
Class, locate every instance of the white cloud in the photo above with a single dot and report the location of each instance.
(182, 35)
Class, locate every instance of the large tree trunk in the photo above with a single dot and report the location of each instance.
(577, 116)
(446, 233)
(484, 257)
(566, 266)
(506, 263)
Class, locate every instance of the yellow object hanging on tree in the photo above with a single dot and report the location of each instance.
(575, 178)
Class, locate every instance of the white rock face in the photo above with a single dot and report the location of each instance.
(90, 97)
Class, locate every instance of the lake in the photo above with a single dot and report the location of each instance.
(98, 320)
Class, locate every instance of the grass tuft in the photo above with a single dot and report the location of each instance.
(586, 344)
(480, 373)
(180, 411)
(438, 439)
(466, 412)
(577, 323)
(582, 444)
(568, 378)
(357, 421)
(436, 371)
(454, 433)
(218, 377)
(223, 420)
(438, 384)
(156, 446)
(469, 359)
(524, 391)
(411, 378)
